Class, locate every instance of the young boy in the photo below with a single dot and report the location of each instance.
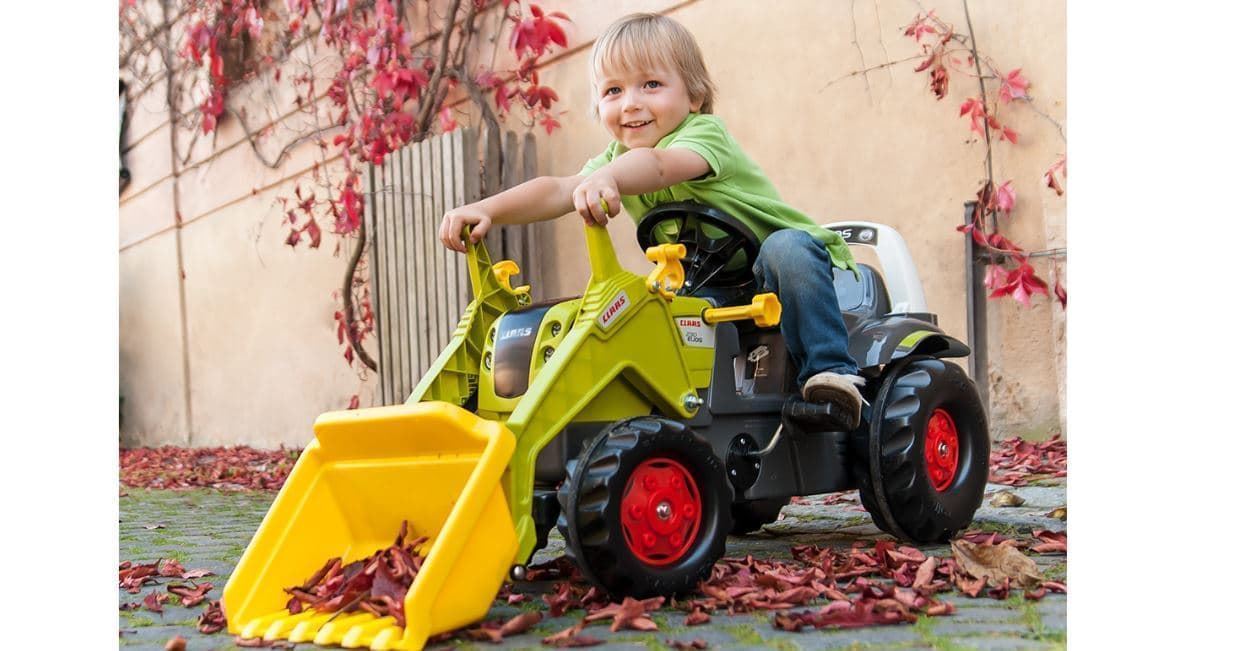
(654, 96)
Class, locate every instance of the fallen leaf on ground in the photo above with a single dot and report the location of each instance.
(170, 568)
(996, 563)
(569, 637)
(520, 623)
(687, 646)
(969, 585)
(697, 616)
(150, 527)
(176, 643)
(1051, 542)
(191, 595)
(152, 601)
(1060, 513)
(195, 574)
(562, 600)
(630, 612)
(1006, 499)
(212, 619)
(978, 537)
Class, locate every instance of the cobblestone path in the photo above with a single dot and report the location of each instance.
(209, 529)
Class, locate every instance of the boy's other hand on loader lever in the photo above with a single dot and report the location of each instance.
(597, 198)
(454, 222)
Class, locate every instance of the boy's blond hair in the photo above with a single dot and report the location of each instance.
(649, 42)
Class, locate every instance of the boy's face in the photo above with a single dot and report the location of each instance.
(640, 107)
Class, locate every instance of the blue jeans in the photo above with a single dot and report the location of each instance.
(796, 266)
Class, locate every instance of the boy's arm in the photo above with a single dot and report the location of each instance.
(545, 197)
(635, 172)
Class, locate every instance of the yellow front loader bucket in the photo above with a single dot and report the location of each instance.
(368, 470)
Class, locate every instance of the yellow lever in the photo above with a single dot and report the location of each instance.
(504, 270)
(668, 275)
(765, 309)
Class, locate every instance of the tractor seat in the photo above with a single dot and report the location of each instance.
(865, 297)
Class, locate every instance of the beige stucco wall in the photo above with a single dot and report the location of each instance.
(260, 360)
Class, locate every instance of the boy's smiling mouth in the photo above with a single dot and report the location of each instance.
(637, 124)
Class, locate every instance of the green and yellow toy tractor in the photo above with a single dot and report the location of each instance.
(647, 420)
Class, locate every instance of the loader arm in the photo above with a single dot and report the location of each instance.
(453, 375)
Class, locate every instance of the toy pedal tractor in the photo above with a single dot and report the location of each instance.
(647, 420)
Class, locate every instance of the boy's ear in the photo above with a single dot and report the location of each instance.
(696, 104)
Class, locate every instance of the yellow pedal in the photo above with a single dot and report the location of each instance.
(668, 275)
(764, 309)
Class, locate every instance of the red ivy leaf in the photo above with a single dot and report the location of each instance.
(549, 123)
(995, 277)
(1053, 174)
(1013, 86)
(1005, 197)
(975, 110)
(1021, 284)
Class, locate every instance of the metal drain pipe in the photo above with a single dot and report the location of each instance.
(974, 277)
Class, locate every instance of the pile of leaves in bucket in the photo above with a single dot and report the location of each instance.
(1016, 462)
(231, 468)
(376, 584)
(132, 577)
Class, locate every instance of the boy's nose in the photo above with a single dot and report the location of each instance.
(631, 102)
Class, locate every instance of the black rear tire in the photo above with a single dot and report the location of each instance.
(907, 495)
(750, 516)
(594, 489)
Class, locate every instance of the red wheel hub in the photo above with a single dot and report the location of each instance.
(941, 449)
(661, 511)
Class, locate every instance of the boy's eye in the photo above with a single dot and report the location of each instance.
(651, 84)
(612, 90)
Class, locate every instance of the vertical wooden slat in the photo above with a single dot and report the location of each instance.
(393, 304)
(459, 139)
(417, 188)
(409, 304)
(375, 292)
(440, 258)
(418, 243)
(420, 271)
(469, 186)
(451, 307)
(436, 257)
(508, 172)
(416, 314)
(430, 337)
(492, 181)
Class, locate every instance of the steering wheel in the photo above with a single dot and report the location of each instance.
(720, 250)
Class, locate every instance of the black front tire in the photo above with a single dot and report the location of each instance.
(904, 496)
(591, 499)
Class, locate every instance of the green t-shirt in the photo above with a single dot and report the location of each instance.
(735, 185)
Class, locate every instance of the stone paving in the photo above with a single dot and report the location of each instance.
(209, 529)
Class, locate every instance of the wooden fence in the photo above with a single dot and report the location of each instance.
(420, 289)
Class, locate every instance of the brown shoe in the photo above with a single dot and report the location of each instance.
(839, 390)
